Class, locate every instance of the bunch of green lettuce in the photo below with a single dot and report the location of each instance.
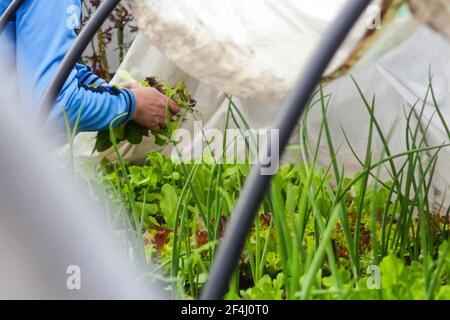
(134, 132)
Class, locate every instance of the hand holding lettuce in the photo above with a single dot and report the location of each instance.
(133, 132)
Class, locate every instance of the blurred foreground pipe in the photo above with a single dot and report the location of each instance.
(9, 13)
(50, 233)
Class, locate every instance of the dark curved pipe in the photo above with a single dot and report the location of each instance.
(256, 186)
(75, 52)
(9, 13)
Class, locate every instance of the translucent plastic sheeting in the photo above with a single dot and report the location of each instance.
(249, 48)
(399, 81)
(434, 12)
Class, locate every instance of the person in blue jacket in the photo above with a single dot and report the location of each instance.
(33, 46)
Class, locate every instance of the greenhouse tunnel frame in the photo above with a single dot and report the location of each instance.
(9, 14)
(257, 184)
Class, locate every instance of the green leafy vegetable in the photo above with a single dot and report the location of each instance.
(134, 132)
(169, 204)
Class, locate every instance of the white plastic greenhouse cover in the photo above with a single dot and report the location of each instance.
(256, 49)
(248, 48)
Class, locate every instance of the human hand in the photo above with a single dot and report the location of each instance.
(151, 107)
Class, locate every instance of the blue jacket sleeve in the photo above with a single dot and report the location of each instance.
(86, 76)
(45, 30)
